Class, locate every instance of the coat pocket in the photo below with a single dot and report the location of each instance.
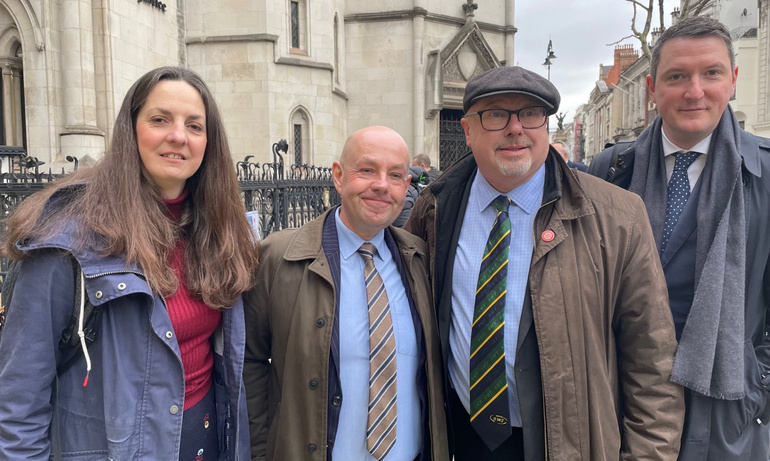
(736, 416)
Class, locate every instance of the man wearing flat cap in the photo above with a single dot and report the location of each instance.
(557, 338)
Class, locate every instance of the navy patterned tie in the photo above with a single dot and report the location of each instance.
(678, 193)
(489, 386)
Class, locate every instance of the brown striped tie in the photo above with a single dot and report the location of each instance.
(381, 421)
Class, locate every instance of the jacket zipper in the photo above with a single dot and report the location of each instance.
(433, 257)
(545, 420)
(102, 274)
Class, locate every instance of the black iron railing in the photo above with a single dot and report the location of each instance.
(21, 176)
(281, 196)
(285, 196)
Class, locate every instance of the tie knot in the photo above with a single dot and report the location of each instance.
(367, 250)
(501, 203)
(683, 160)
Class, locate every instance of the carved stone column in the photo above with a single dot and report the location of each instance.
(12, 102)
(81, 136)
(510, 32)
(418, 78)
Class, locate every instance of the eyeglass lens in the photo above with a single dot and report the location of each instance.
(497, 119)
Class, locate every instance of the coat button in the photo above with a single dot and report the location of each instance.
(313, 384)
(121, 286)
(169, 334)
(337, 400)
(311, 448)
(174, 409)
(99, 294)
(320, 322)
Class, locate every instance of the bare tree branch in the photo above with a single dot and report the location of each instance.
(692, 8)
(698, 7)
(640, 4)
(620, 40)
(644, 33)
(661, 13)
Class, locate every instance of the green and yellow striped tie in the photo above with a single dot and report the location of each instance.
(489, 386)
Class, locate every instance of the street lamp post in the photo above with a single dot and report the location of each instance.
(547, 63)
(549, 58)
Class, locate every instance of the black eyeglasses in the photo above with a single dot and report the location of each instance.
(498, 119)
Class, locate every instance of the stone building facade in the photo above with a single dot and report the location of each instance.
(310, 72)
(637, 105)
(602, 117)
(762, 126)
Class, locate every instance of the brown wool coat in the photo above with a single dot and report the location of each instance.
(295, 290)
(600, 310)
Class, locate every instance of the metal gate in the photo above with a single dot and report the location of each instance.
(282, 195)
(451, 138)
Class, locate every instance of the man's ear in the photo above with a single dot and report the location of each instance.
(337, 175)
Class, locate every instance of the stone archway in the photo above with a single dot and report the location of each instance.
(12, 110)
(23, 61)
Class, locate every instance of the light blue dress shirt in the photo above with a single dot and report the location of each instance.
(350, 443)
(477, 223)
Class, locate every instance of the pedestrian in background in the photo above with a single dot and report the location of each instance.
(418, 179)
(423, 161)
(706, 185)
(341, 315)
(556, 334)
(561, 148)
(158, 229)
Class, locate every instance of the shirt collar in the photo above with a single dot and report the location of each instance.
(669, 148)
(350, 242)
(527, 196)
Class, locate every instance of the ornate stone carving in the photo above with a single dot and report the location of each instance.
(469, 7)
(466, 61)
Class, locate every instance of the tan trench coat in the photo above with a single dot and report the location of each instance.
(600, 310)
(289, 316)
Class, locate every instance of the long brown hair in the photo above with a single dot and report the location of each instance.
(122, 212)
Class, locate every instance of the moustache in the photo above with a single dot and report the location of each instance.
(515, 142)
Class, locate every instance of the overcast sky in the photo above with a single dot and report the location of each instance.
(580, 31)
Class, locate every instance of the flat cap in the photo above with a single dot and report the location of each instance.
(504, 80)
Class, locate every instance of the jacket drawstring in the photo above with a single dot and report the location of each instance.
(81, 333)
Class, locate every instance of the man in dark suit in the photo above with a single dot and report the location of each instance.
(706, 185)
(342, 355)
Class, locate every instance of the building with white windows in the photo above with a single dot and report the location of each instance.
(310, 72)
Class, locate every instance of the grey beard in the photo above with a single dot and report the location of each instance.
(517, 168)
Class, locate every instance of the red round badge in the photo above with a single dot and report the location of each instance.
(548, 235)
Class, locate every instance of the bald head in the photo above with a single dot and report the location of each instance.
(369, 138)
(372, 177)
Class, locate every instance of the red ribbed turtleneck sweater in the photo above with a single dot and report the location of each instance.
(193, 321)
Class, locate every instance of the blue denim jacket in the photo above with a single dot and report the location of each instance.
(132, 405)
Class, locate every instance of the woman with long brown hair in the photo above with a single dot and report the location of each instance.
(158, 231)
